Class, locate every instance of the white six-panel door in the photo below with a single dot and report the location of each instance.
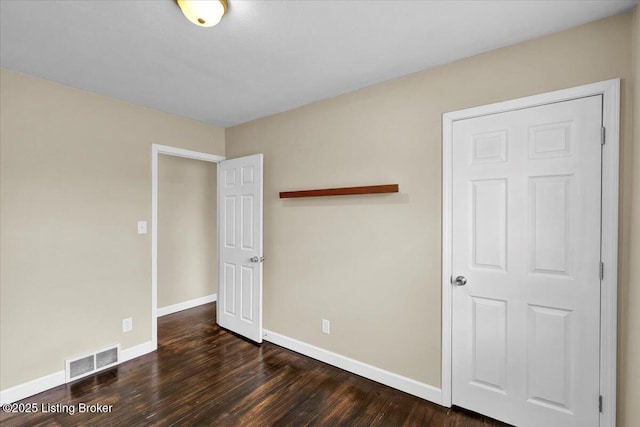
(239, 306)
(526, 237)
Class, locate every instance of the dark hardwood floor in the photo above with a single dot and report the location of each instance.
(205, 376)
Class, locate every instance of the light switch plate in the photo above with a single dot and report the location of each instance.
(142, 227)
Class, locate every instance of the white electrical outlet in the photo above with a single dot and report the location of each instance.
(326, 326)
(127, 324)
(142, 227)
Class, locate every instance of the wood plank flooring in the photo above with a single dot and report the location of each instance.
(202, 375)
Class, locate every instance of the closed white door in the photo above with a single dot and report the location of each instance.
(526, 239)
(240, 246)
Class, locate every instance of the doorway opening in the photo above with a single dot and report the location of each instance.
(156, 151)
(187, 249)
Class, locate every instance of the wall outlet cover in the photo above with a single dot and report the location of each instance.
(127, 324)
(326, 326)
(142, 227)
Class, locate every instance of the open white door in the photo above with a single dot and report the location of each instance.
(240, 246)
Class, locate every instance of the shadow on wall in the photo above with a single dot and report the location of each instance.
(365, 199)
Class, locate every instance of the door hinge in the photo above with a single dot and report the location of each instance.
(603, 133)
(601, 270)
(600, 403)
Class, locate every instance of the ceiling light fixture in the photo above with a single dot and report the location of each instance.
(203, 13)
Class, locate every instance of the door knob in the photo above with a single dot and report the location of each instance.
(460, 281)
(256, 259)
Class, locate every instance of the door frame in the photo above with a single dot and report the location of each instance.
(610, 91)
(156, 150)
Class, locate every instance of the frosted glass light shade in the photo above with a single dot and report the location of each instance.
(203, 13)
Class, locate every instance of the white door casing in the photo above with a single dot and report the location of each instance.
(610, 92)
(240, 246)
(526, 235)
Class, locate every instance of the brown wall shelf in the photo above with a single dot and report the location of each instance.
(345, 191)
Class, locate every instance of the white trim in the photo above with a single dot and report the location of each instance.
(187, 154)
(416, 388)
(156, 150)
(610, 90)
(609, 252)
(174, 308)
(447, 211)
(136, 351)
(30, 388)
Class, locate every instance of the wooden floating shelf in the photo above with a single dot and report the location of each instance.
(345, 191)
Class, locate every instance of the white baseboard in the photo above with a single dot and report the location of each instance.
(136, 351)
(163, 311)
(47, 382)
(416, 388)
(32, 387)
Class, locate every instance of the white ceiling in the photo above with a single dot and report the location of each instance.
(265, 56)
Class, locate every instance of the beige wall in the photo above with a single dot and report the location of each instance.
(75, 176)
(629, 332)
(187, 255)
(371, 264)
